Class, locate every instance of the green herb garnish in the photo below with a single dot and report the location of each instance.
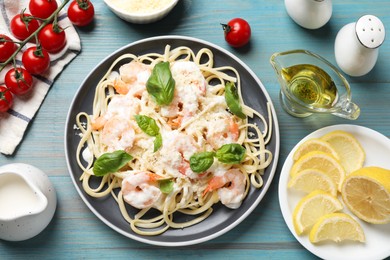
(233, 101)
(161, 85)
(111, 162)
(149, 126)
(200, 162)
(166, 185)
(230, 153)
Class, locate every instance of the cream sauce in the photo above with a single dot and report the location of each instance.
(17, 198)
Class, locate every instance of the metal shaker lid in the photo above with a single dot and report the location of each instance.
(370, 31)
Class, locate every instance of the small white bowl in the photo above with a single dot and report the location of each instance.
(141, 18)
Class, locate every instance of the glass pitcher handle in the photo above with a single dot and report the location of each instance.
(348, 110)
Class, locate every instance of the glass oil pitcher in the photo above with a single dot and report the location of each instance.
(310, 84)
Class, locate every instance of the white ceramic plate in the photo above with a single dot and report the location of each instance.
(377, 245)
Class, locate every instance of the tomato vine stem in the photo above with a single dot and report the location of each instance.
(25, 41)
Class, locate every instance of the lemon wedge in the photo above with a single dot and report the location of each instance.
(309, 180)
(366, 192)
(336, 227)
(349, 149)
(313, 206)
(320, 161)
(314, 144)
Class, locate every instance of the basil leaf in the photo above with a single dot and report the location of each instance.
(150, 127)
(233, 101)
(147, 124)
(161, 84)
(200, 162)
(166, 185)
(111, 162)
(230, 153)
(157, 142)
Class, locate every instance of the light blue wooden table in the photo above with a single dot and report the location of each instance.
(75, 232)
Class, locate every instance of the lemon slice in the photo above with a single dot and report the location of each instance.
(311, 179)
(323, 162)
(314, 144)
(336, 227)
(366, 192)
(313, 206)
(351, 153)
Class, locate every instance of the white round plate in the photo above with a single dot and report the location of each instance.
(377, 245)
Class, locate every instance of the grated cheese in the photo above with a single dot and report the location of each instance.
(141, 6)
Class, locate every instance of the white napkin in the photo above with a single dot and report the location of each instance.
(14, 122)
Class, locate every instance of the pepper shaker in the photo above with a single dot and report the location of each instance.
(357, 45)
(310, 14)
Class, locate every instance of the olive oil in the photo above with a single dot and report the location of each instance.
(311, 85)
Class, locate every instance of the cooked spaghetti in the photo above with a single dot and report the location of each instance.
(159, 176)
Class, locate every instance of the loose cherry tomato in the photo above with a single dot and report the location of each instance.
(6, 99)
(7, 47)
(81, 12)
(23, 25)
(36, 60)
(52, 38)
(19, 81)
(42, 8)
(237, 32)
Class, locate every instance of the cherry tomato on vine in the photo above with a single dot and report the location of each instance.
(52, 38)
(6, 99)
(36, 60)
(7, 47)
(81, 12)
(19, 81)
(237, 32)
(23, 25)
(42, 8)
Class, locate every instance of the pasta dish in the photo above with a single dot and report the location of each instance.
(170, 134)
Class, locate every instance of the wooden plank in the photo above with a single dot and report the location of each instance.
(76, 233)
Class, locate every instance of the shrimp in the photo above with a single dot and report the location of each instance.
(140, 189)
(117, 134)
(188, 74)
(123, 106)
(135, 71)
(182, 108)
(190, 86)
(176, 152)
(133, 78)
(222, 130)
(231, 187)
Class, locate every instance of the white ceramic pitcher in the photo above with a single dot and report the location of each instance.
(27, 201)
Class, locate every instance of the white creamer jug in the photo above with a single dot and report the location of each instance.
(27, 201)
(310, 14)
(357, 45)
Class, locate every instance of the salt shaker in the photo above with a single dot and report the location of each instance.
(357, 45)
(310, 14)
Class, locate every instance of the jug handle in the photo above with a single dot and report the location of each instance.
(348, 110)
